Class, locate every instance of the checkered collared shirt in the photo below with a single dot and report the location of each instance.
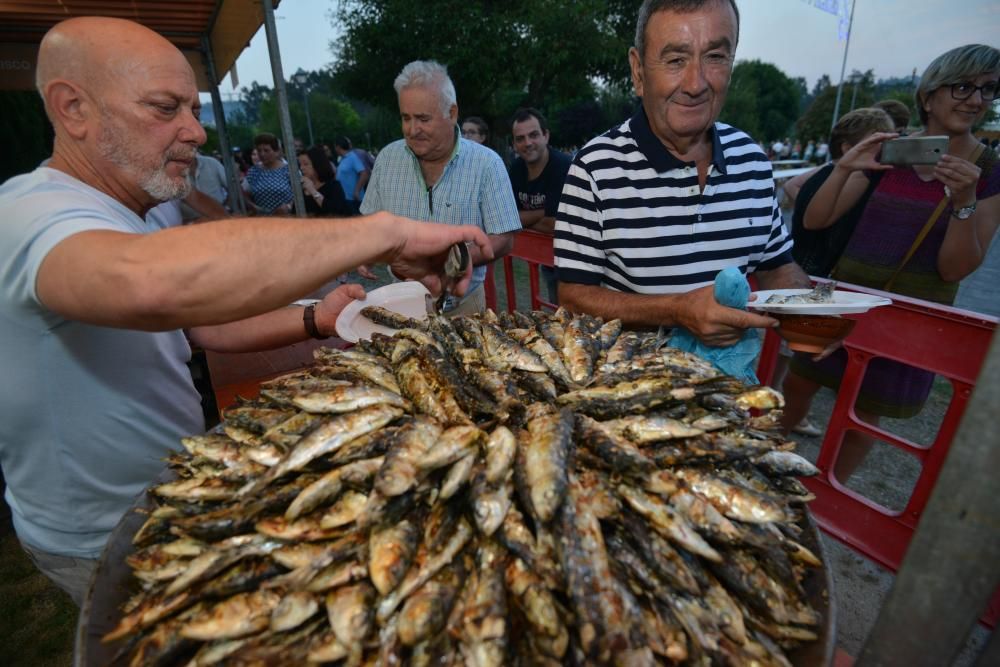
(474, 189)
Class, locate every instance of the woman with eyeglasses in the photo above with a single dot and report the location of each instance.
(956, 202)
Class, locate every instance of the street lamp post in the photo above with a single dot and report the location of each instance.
(302, 79)
(855, 78)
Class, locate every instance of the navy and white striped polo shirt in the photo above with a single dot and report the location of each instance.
(632, 219)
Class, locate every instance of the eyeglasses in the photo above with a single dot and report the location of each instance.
(965, 90)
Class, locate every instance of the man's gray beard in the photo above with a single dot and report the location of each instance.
(157, 184)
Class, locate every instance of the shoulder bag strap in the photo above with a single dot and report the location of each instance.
(916, 242)
(927, 228)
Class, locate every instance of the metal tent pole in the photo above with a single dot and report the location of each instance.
(235, 200)
(843, 68)
(286, 121)
(952, 566)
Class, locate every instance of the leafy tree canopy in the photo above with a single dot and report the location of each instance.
(500, 55)
(762, 100)
(25, 129)
(858, 91)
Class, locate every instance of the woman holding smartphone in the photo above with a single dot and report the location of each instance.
(955, 200)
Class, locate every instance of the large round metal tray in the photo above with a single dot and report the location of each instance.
(113, 584)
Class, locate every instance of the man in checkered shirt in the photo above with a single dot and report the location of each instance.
(433, 174)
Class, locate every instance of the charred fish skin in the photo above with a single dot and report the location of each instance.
(346, 399)
(388, 318)
(552, 330)
(430, 393)
(549, 355)
(597, 605)
(547, 450)
(426, 611)
(484, 623)
(503, 353)
(619, 453)
(490, 503)
(390, 552)
(400, 470)
(579, 351)
(460, 473)
(431, 565)
(327, 437)
(501, 451)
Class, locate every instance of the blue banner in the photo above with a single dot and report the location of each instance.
(828, 6)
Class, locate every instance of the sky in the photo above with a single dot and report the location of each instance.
(891, 37)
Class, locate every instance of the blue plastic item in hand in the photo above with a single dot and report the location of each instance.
(733, 290)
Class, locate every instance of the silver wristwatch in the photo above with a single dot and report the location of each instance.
(965, 212)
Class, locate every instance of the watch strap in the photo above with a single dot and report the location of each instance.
(309, 320)
(964, 212)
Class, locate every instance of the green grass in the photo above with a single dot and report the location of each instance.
(37, 620)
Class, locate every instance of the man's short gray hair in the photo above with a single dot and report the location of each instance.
(431, 74)
(963, 63)
(650, 7)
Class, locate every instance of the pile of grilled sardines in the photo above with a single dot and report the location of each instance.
(514, 489)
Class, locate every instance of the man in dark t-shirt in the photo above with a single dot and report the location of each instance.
(537, 175)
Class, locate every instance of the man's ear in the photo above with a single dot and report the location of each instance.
(635, 64)
(453, 113)
(68, 107)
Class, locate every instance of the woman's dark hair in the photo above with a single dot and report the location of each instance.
(321, 164)
(266, 139)
(484, 129)
(898, 112)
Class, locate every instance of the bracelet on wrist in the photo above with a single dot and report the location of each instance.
(964, 212)
(309, 321)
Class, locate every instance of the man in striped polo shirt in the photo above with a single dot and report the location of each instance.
(653, 209)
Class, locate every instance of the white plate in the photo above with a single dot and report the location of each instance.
(844, 303)
(406, 298)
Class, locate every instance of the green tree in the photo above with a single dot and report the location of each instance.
(858, 91)
(762, 100)
(330, 117)
(25, 129)
(501, 55)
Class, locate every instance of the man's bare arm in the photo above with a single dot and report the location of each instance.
(502, 244)
(786, 276)
(537, 221)
(231, 269)
(696, 311)
(277, 328)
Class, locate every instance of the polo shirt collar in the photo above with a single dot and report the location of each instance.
(657, 154)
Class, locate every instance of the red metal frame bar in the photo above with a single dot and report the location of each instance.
(533, 248)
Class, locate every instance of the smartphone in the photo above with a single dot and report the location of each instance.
(913, 150)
